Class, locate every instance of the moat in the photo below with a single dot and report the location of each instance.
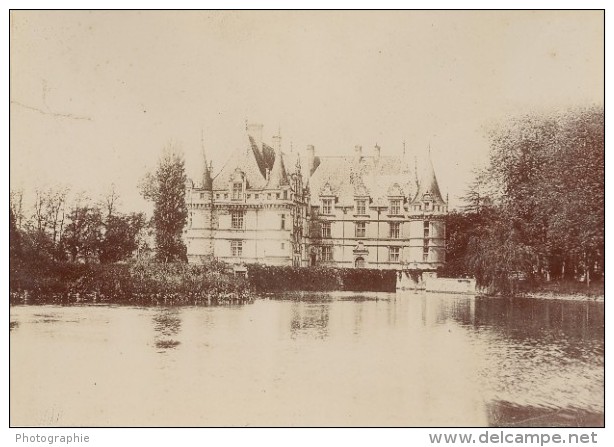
(339, 359)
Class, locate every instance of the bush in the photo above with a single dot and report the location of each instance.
(141, 282)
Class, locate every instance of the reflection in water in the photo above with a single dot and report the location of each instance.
(402, 359)
(309, 319)
(167, 325)
(544, 360)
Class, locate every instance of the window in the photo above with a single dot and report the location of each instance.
(236, 248)
(237, 220)
(426, 228)
(325, 230)
(361, 228)
(283, 221)
(202, 195)
(395, 230)
(327, 253)
(277, 195)
(395, 206)
(283, 245)
(425, 250)
(268, 196)
(256, 196)
(361, 206)
(237, 190)
(427, 206)
(327, 206)
(225, 196)
(285, 194)
(394, 254)
(190, 221)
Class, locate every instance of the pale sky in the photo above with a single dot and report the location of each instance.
(95, 96)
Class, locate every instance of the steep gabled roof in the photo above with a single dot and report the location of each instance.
(246, 161)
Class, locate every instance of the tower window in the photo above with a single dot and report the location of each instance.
(236, 248)
(283, 221)
(325, 230)
(395, 230)
(361, 229)
(427, 228)
(394, 254)
(327, 253)
(237, 220)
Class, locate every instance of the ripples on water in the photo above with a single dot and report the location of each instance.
(312, 360)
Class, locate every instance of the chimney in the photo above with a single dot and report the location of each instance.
(357, 153)
(255, 131)
(376, 152)
(268, 174)
(311, 158)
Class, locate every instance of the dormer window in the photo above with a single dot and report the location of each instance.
(361, 206)
(395, 206)
(327, 206)
(237, 191)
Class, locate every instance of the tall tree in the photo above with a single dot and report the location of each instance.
(548, 176)
(166, 188)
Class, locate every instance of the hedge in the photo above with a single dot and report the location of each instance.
(268, 278)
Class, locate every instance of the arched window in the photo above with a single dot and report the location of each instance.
(359, 263)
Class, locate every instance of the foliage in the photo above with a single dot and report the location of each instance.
(167, 190)
(135, 282)
(83, 234)
(121, 233)
(543, 214)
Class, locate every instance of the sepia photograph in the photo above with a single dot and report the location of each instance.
(307, 218)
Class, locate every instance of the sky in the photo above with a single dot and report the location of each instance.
(96, 96)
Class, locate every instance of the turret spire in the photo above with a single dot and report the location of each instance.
(207, 179)
(278, 176)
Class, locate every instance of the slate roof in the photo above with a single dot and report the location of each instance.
(247, 161)
(376, 178)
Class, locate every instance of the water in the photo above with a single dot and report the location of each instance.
(311, 360)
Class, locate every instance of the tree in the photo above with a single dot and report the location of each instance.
(14, 238)
(546, 177)
(83, 234)
(121, 236)
(166, 188)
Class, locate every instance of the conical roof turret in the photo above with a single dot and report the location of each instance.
(428, 183)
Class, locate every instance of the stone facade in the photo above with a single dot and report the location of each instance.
(365, 210)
